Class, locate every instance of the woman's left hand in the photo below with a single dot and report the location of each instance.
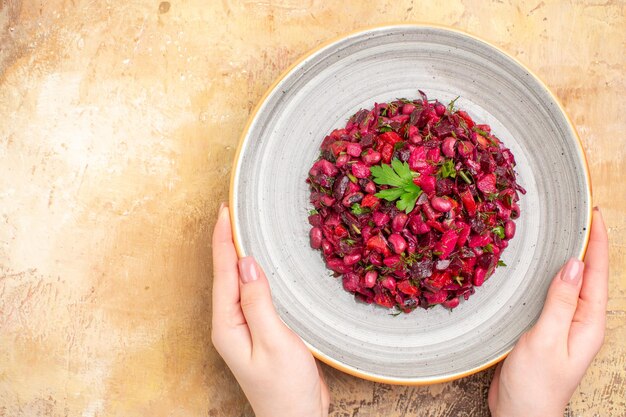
(275, 369)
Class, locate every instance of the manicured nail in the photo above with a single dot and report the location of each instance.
(222, 212)
(248, 269)
(572, 271)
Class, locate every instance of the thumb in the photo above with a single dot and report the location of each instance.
(256, 303)
(561, 302)
(494, 388)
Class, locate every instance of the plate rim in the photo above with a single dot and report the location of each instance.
(351, 370)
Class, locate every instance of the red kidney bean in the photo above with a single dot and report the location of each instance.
(408, 108)
(440, 109)
(441, 204)
(447, 147)
(509, 229)
(327, 248)
(352, 259)
(370, 187)
(479, 276)
(397, 242)
(371, 157)
(465, 149)
(316, 237)
(398, 222)
(389, 283)
(370, 279)
(451, 303)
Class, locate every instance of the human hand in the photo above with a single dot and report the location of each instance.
(274, 368)
(541, 373)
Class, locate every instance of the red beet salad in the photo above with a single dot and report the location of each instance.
(414, 204)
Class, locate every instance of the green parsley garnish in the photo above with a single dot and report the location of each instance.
(312, 212)
(357, 209)
(488, 248)
(399, 177)
(447, 169)
(501, 262)
(498, 231)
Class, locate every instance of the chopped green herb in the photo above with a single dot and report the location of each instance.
(400, 176)
(349, 242)
(492, 196)
(463, 175)
(398, 145)
(369, 267)
(480, 132)
(501, 263)
(356, 229)
(357, 209)
(385, 128)
(488, 248)
(451, 105)
(352, 178)
(447, 169)
(410, 259)
(396, 314)
(458, 279)
(312, 212)
(498, 231)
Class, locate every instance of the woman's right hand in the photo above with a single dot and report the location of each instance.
(542, 372)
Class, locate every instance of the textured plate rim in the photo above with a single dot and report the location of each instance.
(253, 115)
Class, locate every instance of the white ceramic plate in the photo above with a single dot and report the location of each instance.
(269, 199)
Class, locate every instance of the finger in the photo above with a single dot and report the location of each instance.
(561, 302)
(492, 398)
(225, 272)
(324, 388)
(594, 292)
(256, 303)
(229, 330)
(587, 332)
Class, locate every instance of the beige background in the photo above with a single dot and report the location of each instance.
(119, 124)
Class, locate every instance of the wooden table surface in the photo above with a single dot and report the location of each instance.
(119, 124)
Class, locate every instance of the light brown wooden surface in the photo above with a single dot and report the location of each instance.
(119, 124)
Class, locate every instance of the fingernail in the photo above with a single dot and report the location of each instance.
(248, 269)
(572, 271)
(221, 212)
